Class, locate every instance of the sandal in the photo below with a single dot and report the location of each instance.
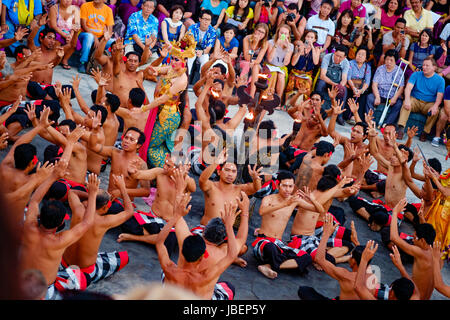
(65, 66)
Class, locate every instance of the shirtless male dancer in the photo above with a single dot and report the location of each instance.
(16, 168)
(312, 166)
(401, 289)
(42, 247)
(421, 250)
(345, 277)
(40, 86)
(125, 79)
(216, 241)
(276, 210)
(85, 252)
(191, 272)
(121, 159)
(378, 214)
(145, 226)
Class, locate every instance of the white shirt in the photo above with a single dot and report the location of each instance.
(323, 28)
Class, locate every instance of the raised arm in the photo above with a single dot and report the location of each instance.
(117, 219)
(360, 282)
(204, 182)
(439, 283)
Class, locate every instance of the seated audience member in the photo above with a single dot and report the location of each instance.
(423, 94)
(417, 19)
(323, 25)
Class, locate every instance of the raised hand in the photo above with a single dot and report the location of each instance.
(66, 96)
(4, 140)
(133, 167)
(369, 251)
(395, 257)
(76, 134)
(344, 180)
(223, 155)
(368, 117)
(44, 171)
(417, 156)
(60, 52)
(436, 252)
(76, 82)
(338, 108)
(61, 168)
(354, 107)
(181, 207)
(243, 204)
(97, 120)
(43, 121)
(400, 206)
(30, 110)
(412, 131)
(96, 74)
(20, 33)
(229, 213)
(333, 92)
(93, 183)
(179, 179)
(253, 172)
(372, 131)
(43, 19)
(119, 181)
(329, 225)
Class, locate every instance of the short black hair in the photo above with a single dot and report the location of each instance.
(285, 175)
(325, 183)
(113, 101)
(45, 31)
(141, 139)
(52, 152)
(68, 122)
(400, 20)
(52, 214)
(223, 70)
(342, 48)
(329, 2)
(403, 288)
(215, 231)
(23, 155)
(317, 93)
(19, 49)
(218, 107)
(435, 164)
(425, 231)
(324, 147)
(292, 6)
(137, 97)
(102, 199)
(410, 153)
(205, 11)
(135, 53)
(362, 125)
(357, 254)
(331, 170)
(391, 53)
(193, 248)
(392, 125)
(96, 108)
(228, 27)
(379, 217)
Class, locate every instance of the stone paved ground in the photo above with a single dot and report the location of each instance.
(250, 284)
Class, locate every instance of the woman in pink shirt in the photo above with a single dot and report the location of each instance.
(390, 12)
(359, 11)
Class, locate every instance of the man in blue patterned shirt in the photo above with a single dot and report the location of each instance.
(205, 35)
(142, 24)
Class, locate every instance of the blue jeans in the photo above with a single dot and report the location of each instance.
(87, 40)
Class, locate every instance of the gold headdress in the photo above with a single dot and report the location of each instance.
(185, 48)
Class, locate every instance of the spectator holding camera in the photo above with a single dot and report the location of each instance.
(395, 40)
(266, 12)
(294, 19)
(344, 30)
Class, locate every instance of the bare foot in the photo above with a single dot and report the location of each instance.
(317, 266)
(124, 237)
(354, 235)
(267, 271)
(240, 262)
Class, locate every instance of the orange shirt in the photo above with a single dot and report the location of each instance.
(96, 19)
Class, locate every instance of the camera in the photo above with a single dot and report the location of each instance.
(290, 17)
(366, 28)
(266, 3)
